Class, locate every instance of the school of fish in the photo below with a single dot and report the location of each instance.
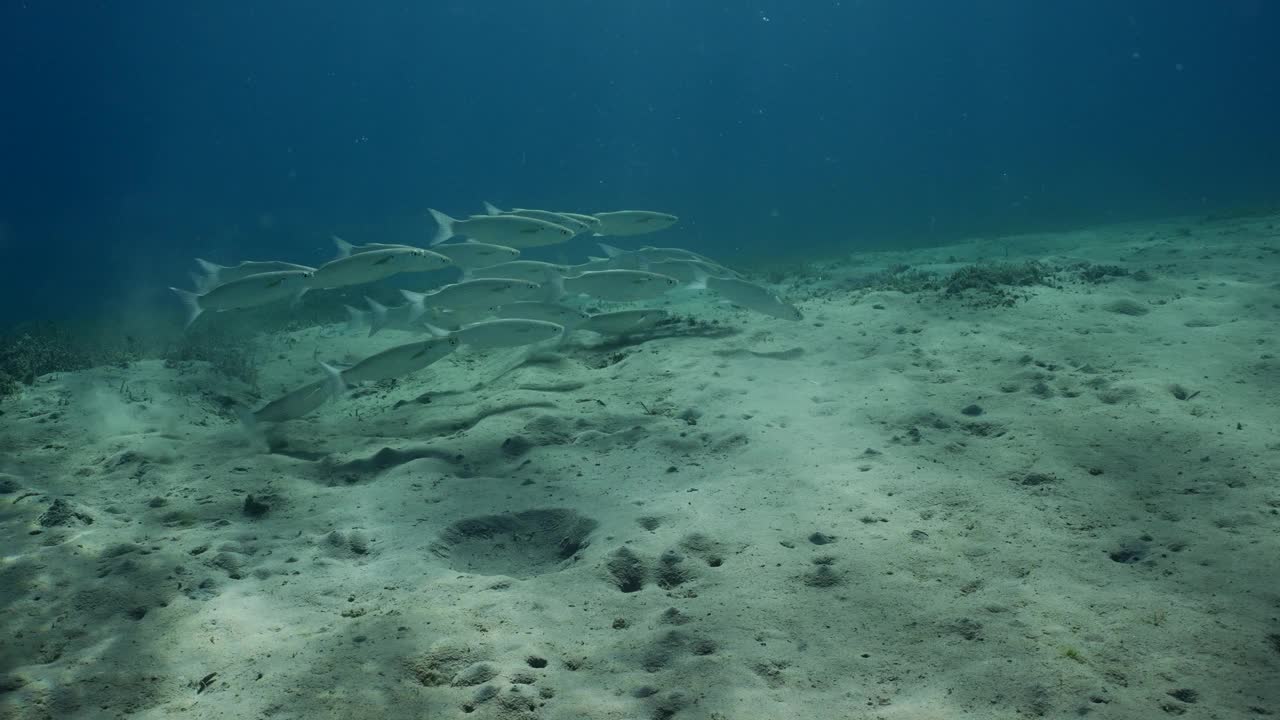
(498, 301)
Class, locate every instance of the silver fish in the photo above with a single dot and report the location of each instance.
(346, 249)
(531, 270)
(246, 292)
(392, 362)
(748, 295)
(616, 285)
(291, 405)
(633, 222)
(549, 312)
(507, 332)
(482, 292)
(596, 263)
(591, 222)
(375, 265)
(672, 253)
(510, 230)
(686, 271)
(551, 217)
(215, 275)
(623, 321)
(455, 317)
(650, 254)
(472, 255)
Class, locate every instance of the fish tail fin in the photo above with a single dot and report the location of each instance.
(248, 420)
(700, 277)
(200, 282)
(355, 318)
(377, 316)
(344, 247)
(419, 303)
(252, 429)
(444, 226)
(333, 379)
(491, 209)
(192, 302)
(554, 286)
(211, 271)
(609, 250)
(435, 331)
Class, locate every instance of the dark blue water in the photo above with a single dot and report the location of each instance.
(135, 135)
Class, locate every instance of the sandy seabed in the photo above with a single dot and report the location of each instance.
(1061, 500)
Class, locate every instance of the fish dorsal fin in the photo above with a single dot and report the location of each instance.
(344, 247)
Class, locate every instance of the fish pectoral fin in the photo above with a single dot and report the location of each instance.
(384, 260)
